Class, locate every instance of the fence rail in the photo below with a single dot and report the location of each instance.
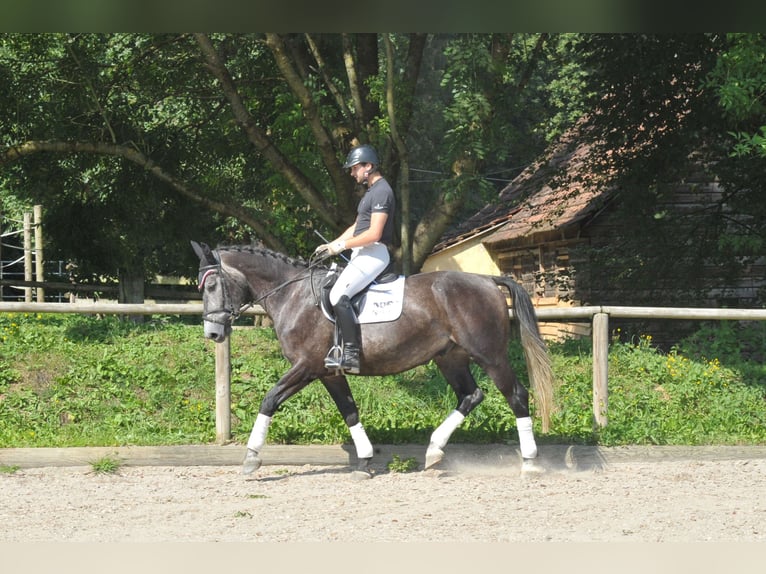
(598, 316)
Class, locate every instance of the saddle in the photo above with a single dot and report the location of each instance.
(380, 301)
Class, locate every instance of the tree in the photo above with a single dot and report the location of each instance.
(656, 114)
(76, 94)
(739, 81)
(246, 133)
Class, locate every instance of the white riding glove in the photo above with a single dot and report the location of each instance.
(332, 248)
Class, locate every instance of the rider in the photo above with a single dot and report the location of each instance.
(369, 238)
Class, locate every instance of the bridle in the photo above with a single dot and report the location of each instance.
(232, 313)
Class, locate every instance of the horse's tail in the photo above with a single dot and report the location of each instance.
(535, 350)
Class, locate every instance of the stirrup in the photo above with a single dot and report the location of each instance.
(335, 361)
(334, 358)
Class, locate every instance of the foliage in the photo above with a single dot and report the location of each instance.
(740, 345)
(86, 381)
(103, 382)
(739, 80)
(657, 398)
(107, 216)
(105, 465)
(134, 143)
(398, 464)
(657, 122)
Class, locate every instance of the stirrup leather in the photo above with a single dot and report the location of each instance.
(334, 358)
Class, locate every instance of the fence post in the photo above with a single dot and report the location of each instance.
(2, 292)
(39, 260)
(27, 255)
(600, 368)
(223, 391)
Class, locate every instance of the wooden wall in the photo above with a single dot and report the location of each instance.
(556, 268)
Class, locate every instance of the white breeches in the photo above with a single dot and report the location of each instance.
(365, 264)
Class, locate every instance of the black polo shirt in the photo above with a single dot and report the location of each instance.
(379, 198)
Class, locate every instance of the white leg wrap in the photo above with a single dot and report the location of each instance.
(362, 443)
(258, 434)
(526, 437)
(442, 433)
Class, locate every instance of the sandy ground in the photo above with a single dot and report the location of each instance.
(655, 501)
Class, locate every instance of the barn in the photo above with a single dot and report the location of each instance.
(574, 235)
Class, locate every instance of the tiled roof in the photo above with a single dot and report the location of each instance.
(552, 193)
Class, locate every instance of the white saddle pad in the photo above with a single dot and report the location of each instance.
(382, 302)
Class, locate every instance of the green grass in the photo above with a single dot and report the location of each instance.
(68, 380)
(398, 464)
(105, 465)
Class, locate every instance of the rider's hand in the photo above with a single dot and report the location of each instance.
(329, 249)
(321, 251)
(336, 247)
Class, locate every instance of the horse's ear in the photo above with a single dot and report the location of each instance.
(204, 253)
(198, 250)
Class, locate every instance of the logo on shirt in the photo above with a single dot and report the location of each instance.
(378, 206)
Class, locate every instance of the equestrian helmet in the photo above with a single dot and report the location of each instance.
(362, 154)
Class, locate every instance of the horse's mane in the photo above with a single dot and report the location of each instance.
(262, 251)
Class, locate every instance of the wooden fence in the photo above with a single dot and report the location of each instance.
(597, 315)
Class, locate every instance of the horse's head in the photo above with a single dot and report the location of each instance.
(222, 295)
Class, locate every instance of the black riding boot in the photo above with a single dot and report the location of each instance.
(349, 330)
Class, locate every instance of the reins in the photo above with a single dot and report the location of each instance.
(205, 272)
(308, 272)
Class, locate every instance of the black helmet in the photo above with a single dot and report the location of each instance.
(361, 154)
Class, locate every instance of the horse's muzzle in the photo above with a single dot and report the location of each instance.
(216, 332)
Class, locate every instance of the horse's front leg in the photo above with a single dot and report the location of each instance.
(291, 382)
(340, 392)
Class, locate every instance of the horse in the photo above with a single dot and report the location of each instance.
(452, 318)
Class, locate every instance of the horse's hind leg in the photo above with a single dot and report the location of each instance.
(517, 397)
(455, 366)
(344, 400)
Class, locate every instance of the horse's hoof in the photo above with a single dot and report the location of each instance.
(362, 471)
(434, 456)
(359, 475)
(251, 463)
(531, 466)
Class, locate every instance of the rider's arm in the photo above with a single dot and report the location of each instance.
(347, 234)
(368, 236)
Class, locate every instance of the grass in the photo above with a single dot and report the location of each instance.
(105, 465)
(398, 464)
(68, 380)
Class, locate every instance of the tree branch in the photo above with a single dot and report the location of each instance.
(310, 111)
(261, 141)
(433, 225)
(340, 101)
(255, 221)
(401, 149)
(532, 62)
(353, 84)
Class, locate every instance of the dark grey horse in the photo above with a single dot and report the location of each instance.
(449, 317)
